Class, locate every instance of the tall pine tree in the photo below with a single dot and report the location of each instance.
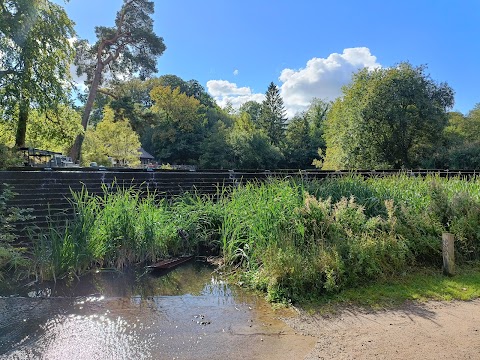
(273, 118)
(129, 49)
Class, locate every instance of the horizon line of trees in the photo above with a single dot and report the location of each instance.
(394, 117)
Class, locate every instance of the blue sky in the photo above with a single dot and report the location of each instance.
(309, 48)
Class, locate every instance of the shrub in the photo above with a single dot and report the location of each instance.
(9, 157)
(277, 235)
(12, 257)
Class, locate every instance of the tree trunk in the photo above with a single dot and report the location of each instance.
(77, 145)
(22, 123)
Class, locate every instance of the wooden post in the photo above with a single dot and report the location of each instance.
(448, 254)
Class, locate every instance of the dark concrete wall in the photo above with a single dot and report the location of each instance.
(48, 192)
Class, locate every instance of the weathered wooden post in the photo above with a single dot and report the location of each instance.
(448, 254)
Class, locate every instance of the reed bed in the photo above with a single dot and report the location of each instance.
(292, 239)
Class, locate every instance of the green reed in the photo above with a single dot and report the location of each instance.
(291, 238)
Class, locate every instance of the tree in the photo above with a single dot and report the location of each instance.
(304, 135)
(298, 143)
(216, 152)
(54, 130)
(272, 118)
(317, 115)
(254, 109)
(35, 59)
(252, 148)
(177, 136)
(189, 88)
(128, 49)
(387, 117)
(462, 140)
(112, 139)
(464, 128)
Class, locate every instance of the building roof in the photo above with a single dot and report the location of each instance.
(145, 155)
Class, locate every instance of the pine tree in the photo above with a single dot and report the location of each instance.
(129, 49)
(273, 118)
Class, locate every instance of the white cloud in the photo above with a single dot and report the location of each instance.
(224, 87)
(322, 77)
(235, 72)
(225, 92)
(79, 81)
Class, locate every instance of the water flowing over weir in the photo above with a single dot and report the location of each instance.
(187, 313)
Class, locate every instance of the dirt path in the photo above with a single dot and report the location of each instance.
(415, 331)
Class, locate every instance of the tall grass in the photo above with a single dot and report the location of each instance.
(292, 239)
(12, 257)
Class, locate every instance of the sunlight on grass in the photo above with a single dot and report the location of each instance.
(421, 284)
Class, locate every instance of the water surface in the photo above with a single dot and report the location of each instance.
(187, 313)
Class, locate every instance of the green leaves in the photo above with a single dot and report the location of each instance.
(272, 117)
(114, 139)
(386, 118)
(128, 49)
(34, 68)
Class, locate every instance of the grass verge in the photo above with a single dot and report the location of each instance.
(419, 284)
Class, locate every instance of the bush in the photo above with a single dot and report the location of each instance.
(12, 258)
(9, 157)
(276, 235)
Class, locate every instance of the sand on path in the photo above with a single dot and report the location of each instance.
(433, 330)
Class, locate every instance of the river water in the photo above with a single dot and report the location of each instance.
(186, 313)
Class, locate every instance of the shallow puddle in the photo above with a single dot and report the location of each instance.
(187, 313)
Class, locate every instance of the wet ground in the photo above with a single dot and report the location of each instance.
(187, 313)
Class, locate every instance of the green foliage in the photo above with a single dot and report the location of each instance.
(293, 240)
(35, 61)
(462, 140)
(178, 135)
(272, 116)
(254, 151)
(114, 140)
(252, 148)
(9, 157)
(253, 109)
(324, 246)
(417, 284)
(132, 37)
(388, 117)
(53, 130)
(129, 49)
(301, 245)
(12, 258)
(7, 131)
(298, 151)
(304, 136)
(217, 153)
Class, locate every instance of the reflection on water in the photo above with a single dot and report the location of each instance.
(84, 337)
(112, 315)
(192, 278)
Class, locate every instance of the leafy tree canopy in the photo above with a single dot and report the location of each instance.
(36, 55)
(112, 139)
(177, 135)
(129, 49)
(53, 130)
(272, 118)
(387, 118)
